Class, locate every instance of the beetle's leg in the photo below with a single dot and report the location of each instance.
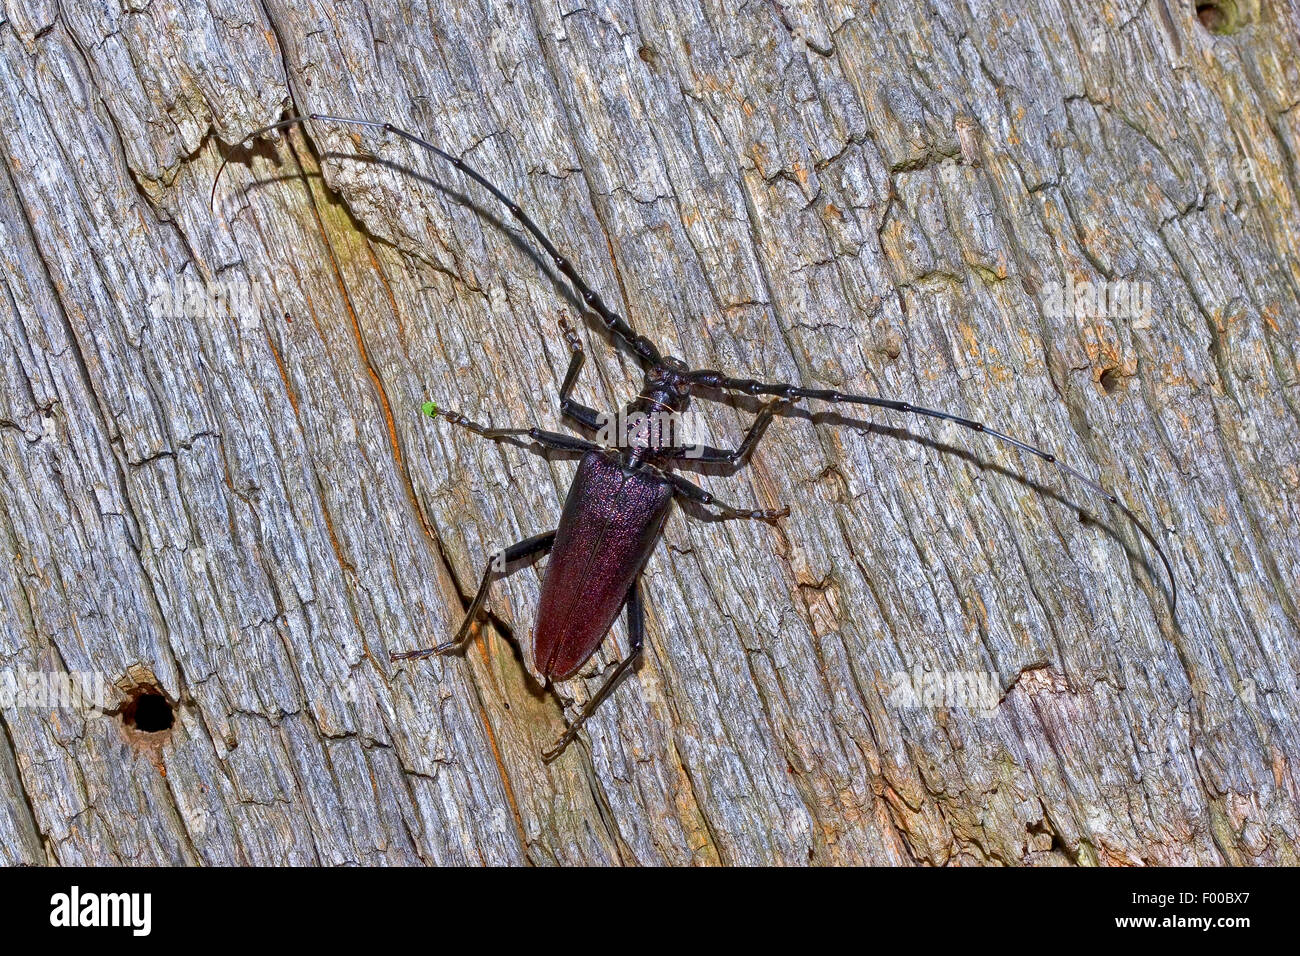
(711, 379)
(587, 417)
(538, 544)
(636, 636)
(736, 457)
(689, 489)
(546, 439)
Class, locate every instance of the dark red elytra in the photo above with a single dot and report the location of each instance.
(620, 496)
(609, 526)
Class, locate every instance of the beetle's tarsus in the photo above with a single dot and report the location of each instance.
(422, 653)
(560, 745)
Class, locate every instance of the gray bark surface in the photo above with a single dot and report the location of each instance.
(247, 511)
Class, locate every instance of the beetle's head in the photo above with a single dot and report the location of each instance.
(667, 389)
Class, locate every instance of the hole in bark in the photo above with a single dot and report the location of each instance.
(1211, 16)
(147, 711)
(1110, 380)
(1226, 16)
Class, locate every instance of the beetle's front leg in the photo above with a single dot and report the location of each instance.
(538, 544)
(689, 489)
(636, 637)
(582, 414)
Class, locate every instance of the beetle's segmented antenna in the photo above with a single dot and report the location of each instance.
(283, 124)
(708, 378)
(617, 325)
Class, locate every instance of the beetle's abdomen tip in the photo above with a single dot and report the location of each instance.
(558, 669)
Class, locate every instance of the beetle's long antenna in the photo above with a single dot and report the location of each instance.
(708, 378)
(212, 197)
(617, 325)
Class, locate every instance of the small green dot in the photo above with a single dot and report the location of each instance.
(430, 409)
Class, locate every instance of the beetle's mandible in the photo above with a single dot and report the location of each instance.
(620, 496)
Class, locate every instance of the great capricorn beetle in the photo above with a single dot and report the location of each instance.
(621, 495)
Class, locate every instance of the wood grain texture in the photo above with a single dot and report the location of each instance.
(246, 509)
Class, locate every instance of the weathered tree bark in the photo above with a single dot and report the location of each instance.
(245, 510)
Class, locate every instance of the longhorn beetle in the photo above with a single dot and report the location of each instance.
(620, 496)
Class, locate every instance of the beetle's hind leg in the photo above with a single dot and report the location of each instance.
(538, 544)
(636, 636)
